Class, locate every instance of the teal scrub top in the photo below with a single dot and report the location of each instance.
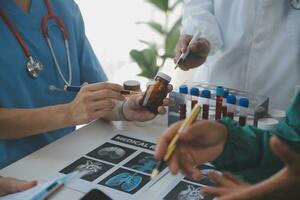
(247, 152)
(18, 90)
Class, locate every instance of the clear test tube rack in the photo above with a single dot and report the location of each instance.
(258, 105)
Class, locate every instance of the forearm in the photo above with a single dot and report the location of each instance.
(19, 123)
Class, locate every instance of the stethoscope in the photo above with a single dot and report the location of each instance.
(33, 66)
(295, 4)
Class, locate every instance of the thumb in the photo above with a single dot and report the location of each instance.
(283, 151)
(26, 185)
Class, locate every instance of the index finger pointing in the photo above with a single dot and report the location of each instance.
(104, 85)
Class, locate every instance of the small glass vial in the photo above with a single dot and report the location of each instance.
(205, 111)
(244, 104)
(156, 93)
(183, 89)
(219, 102)
(195, 93)
(131, 85)
(231, 102)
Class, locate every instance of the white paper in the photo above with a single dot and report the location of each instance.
(120, 167)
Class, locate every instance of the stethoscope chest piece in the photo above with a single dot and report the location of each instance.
(34, 67)
(295, 4)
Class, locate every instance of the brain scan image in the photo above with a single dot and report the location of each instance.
(112, 152)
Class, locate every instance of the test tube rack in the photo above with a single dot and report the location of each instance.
(258, 105)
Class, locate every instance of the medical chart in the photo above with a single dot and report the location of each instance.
(120, 167)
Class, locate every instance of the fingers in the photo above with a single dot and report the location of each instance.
(165, 139)
(26, 185)
(106, 94)
(106, 104)
(233, 179)
(220, 180)
(102, 86)
(284, 152)
(213, 191)
(181, 46)
(12, 185)
(200, 48)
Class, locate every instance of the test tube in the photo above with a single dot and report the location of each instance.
(183, 89)
(224, 106)
(195, 93)
(231, 102)
(244, 104)
(205, 111)
(219, 102)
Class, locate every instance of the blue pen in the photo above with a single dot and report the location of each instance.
(69, 88)
(55, 186)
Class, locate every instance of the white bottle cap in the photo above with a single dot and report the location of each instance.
(267, 123)
(164, 76)
(277, 114)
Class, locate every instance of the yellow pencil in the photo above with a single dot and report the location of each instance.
(188, 121)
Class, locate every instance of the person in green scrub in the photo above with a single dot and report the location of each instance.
(243, 151)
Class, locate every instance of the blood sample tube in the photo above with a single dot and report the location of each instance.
(231, 102)
(205, 111)
(244, 104)
(224, 106)
(182, 106)
(219, 102)
(195, 93)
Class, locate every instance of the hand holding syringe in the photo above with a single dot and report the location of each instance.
(184, 55)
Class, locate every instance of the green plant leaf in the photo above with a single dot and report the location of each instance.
(146, 60)
(151, 45)
(175, 5)
(172, 39)
(155, 26)
(161, 4)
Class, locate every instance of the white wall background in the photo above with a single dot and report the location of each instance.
(112, 30)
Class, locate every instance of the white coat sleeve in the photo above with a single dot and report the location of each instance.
(198, 14)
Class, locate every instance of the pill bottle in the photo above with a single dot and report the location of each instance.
(156, 92)
(131, 86)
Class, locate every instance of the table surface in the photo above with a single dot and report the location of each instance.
(55, 156)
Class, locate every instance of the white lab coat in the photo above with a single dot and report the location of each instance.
(255, 45)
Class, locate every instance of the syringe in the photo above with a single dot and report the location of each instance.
(184, 55)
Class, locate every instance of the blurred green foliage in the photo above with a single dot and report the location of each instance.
(148, 58)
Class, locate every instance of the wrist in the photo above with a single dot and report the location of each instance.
(122, 111)
(67, 115)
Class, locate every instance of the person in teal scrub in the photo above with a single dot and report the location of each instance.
(244, 151)
(44, 56)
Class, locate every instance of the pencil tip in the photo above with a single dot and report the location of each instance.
(154, 174)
